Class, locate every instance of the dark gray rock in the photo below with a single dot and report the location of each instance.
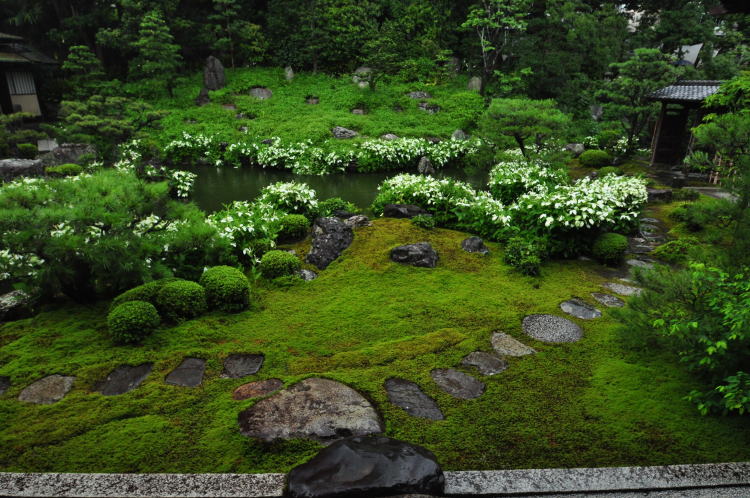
(608, 300)
(659, 195)
(474, 244)
(48, 390)
(124, 378)
(188, 374)
(389, 136)
(551, 328)
(457, 384)
(358, 221)
(367, 467)
(429, 108)
(506, 345)
(652, 221)
(402, 211)
(312, 100)
(288, 73)
(307, 275)
(343, 133)
(257, 389)
(4, 384)
(486, 363)
(622, 289)
(10, 169)
(420, 254)
(16, 305)
(319, 409)
(330, 236)
(359, 112)
(580, 309)
(648, 230)
(475, 84)
(362, 76)
(575, 149)
(419, 95)
(261, 93)
(68, 153)
(213, 74)
(239, 365)
(409, 396)
(425, 166)
(202, 98)
(459, 135)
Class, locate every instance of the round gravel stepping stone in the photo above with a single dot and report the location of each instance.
(319, 409)
(608, 300)
(551, 328)
(257, 389)
(4, 384)
(637, 263)
(580, 309)
(622, 289)
(124, 378)
(486, 363)
(188, 374)
(409, 396)
(242, 364)
(508, 346)
(457, 384)
(48, 390)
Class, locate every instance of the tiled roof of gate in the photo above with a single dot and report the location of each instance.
(688, 90)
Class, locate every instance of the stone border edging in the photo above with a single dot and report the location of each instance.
(458, 483)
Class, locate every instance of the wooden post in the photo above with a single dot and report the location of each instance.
(657, 133)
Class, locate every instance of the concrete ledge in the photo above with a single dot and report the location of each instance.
(720, 480)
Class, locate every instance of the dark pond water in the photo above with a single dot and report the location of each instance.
(215, 187)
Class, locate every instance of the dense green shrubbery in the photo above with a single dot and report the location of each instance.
(676, 251)
(685, 194)
(64, 170)
(293, 227)
(515, 176)
(526, 254)
(146, 292)
(227, 288)
(181, 300)
(329, 206)
(609, 248)
(699, 215)
(425, 221)
(610, 170)
(132, 321)
(276, 264)
(27, 151)
(595, 158)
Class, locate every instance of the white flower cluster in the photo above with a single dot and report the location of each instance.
(182, 181)
(402, 153)
(289, 197)
(516, 176)
(18, 265)
(242, 222)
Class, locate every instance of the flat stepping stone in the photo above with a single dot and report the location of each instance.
(48, 390)
(486, 363)
(257, 389)
(124, 378)
(608, 300)
(4, 384)
(319, 409)
(188, 374)
(242, 364)
(637, 263)
(457, 384)
(622, 289)
(507, 345)
(580, 309)
(551, 328)
(409, 396)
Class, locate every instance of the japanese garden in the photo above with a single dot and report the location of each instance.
(290, 237)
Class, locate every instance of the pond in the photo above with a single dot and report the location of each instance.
(215, 187)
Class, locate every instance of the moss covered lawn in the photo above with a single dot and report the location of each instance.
(363, 320)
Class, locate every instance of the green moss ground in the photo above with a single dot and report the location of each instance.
(364, 319)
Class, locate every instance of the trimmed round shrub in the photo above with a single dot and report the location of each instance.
(133, 321)
(27, 151)
(609, 248)
(329, 206)
(69, 169)
(276, 264)
(423, 221)
(181, 300)
(146, 292)
(293, 227)
(595, 158)
(609, 170)
(227, 288)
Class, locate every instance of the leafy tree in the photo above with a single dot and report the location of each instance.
(626, 96)
(524, 121)
(158, 57)
(236, 39)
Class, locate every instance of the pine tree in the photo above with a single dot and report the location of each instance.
(158, 57)
(85, 75)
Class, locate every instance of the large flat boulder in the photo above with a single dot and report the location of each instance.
(409, 396)
(10, 169)
(319, 409)
(420, 254)
(48, 390)
(367, 467)
(330, 236)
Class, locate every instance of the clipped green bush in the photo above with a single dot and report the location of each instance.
(609, 248)
(526, 254)
(132, 321)
(146, 292)
(227, 288)
(69, 169)
(27, 151)
(610, 170)
(330, 206)
(425, 221)
(181, 300)
(293, 227)
(595, 158)
(276, 264)
(676, 251)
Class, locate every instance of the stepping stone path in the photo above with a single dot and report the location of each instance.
(608, 300)
(242, 364)
(48, 390)
(318, 409)
(409, 396)
(420, 254)
(622, 289)
(257, 389)
(4, 384)
(580, 309)
(637, 263)
(486, 363)
(261, 93)
(457, 384)
(551, 328)
(188, 374)
(474, 244)
(124, 378)
(506, 345)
